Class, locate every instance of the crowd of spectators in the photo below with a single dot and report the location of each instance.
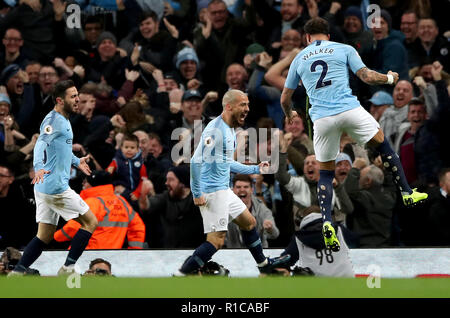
(151, 75)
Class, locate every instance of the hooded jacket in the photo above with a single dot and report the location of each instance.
(312, 252)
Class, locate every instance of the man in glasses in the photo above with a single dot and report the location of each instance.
(12, 52)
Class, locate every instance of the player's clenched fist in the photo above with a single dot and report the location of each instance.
(395, 75)
(200, 201)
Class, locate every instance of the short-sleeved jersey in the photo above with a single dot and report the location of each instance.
(53, 152)
(214, 159)
(323, 69)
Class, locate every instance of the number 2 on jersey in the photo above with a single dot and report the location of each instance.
(321, 83)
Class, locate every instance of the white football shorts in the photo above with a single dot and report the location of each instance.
(221, 207)
(357, 122)
(49, 207)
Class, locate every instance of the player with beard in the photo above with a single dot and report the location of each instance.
(210, 184)
(53, 158)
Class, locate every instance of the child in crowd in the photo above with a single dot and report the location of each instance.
(128, 169)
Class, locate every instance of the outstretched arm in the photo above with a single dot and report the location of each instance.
(374, 78)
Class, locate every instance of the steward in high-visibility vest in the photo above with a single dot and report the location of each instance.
(116, 218)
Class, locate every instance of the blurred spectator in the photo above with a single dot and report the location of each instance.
(172, 219)
(220, 42)
(236, 77)
(187, 64)
(37, 22)
(431, 141)
(265, 93)
(107, 103)
(109, 62)
(396, 114)
(101, 143)
(99, 267)
(389, 53)
(379, 102)
(292, 15)
(12, 53)
(439, 210)
(343, 164)
(408, 26)
(18, 218)
(82, 121)
(297, 128)
(430, 44)
(304, 188)
(182, 14)
(276, 77)
(149, 43)
(21, 94)
(158, 162)
(135, 117)
(307, 247)
(32, 68)
(354, 32)
(92, 28)
(251, 54)
(191, 113)
(48, 77)
(265, 223)
(9, 259)
(373, 204)
(290, 40)
(156, 158)
(10, 136)
(117, 221)
(404, 139)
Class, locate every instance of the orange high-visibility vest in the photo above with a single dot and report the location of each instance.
(116, 221)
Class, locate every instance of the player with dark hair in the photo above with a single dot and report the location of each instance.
(210, 185)
(323, 69)
(53, 159)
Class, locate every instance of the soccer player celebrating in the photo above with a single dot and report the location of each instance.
(210, 184)
(322, 68)
(52, 162)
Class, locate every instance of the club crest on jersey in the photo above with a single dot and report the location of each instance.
(48, 129)
(209, 141)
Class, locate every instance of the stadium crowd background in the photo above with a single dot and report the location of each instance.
(147, 67)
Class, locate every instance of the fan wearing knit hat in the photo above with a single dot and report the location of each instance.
(187, 63)
(343, 165)
(356, 35)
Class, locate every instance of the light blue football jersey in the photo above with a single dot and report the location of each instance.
(213, 159)
(53, 152)
(323, 69)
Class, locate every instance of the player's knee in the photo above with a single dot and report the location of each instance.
(218, 240)
(46, 238)
(93, 224)
(250, 225)
(89, 223)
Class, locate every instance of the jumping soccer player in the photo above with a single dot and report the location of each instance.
(52, 162)
(210, 184)
(323, 69)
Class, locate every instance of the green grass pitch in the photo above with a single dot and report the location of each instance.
(222, 287)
